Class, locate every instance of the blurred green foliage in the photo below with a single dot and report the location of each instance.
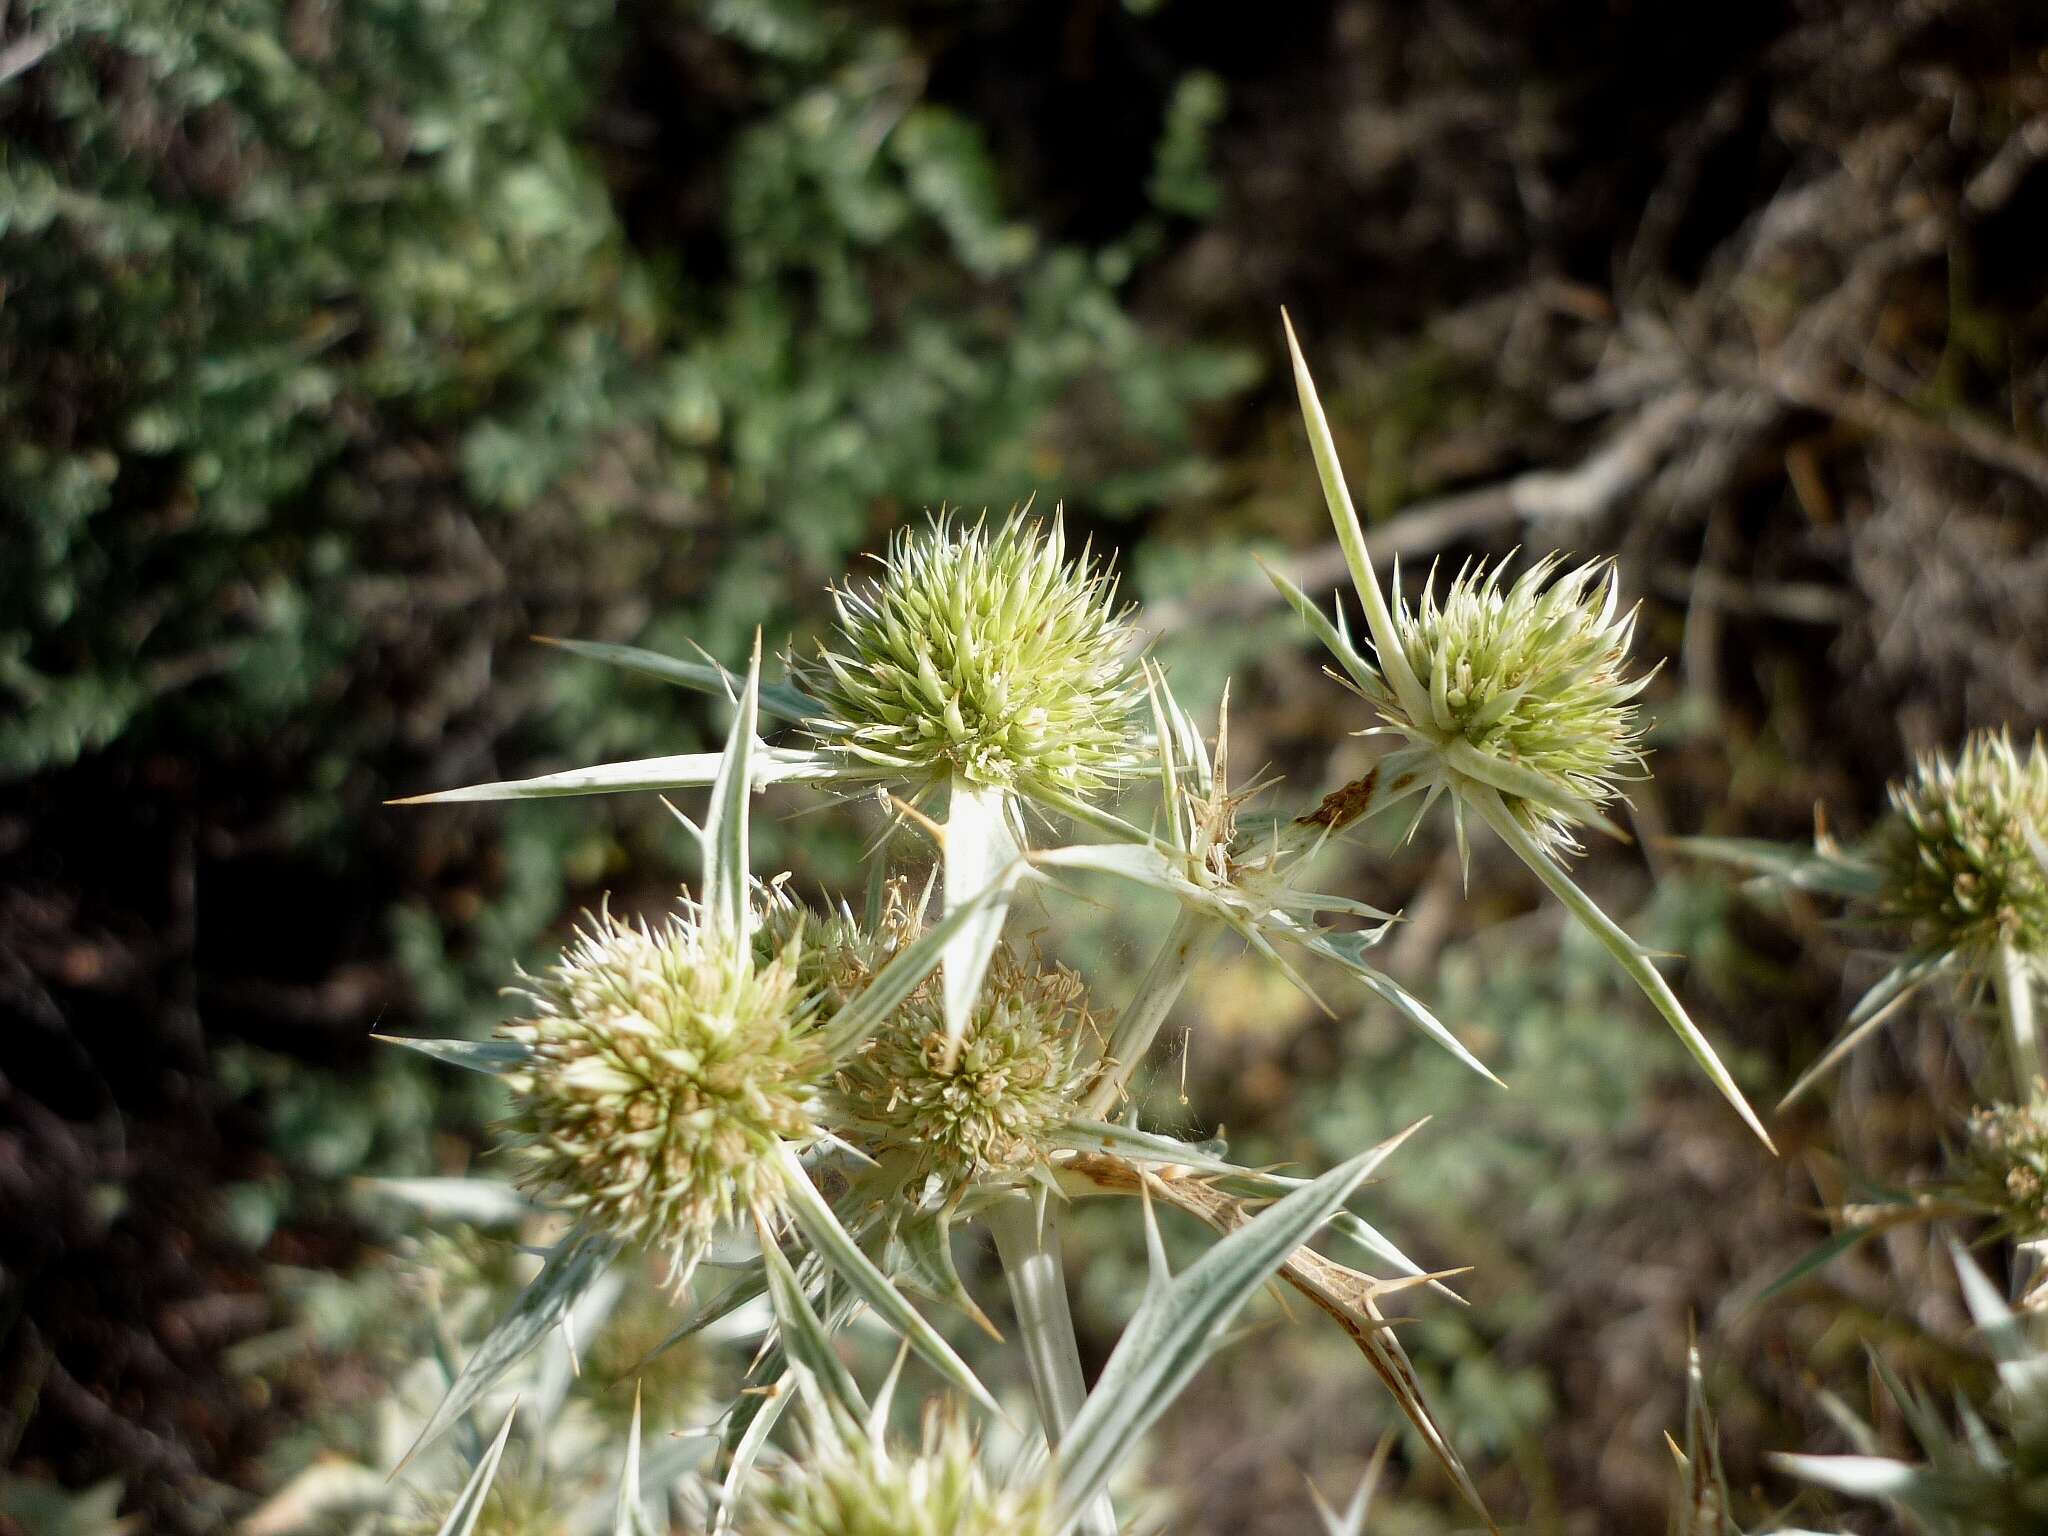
(345, 346)
(328, 334)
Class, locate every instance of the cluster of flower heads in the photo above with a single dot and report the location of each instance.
(665, 1063)
(988, 1106)
(1963, 857)
(1531, 676)
(983, 1106)
(982, 652)
(852, 1482)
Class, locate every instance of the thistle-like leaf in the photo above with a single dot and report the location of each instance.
(572, 1268)
(1181, 1323)
(773, 765)
(804, 1339)
(820, 1226)
(777, 699)
(1626, 952)
(494, 1057)
(919, 1254)
(727, 899)
(910, 965)
(629, 1513)
(470, 1505)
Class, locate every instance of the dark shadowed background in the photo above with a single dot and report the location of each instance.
(345, 344)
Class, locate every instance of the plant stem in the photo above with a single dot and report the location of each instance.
(1139, 1023)
(976, 847)
(1028, 1243)
(2014, 983)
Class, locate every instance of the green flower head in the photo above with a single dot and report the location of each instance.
(851, 1482)
(666, 1063)
(1528, 689)
(983, 653)
(990, 1107)
(1961, 855)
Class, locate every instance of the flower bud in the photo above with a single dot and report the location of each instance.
(989, 1106)
(1961, 854)
(851, 1482)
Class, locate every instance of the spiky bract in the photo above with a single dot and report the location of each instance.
(1961, 853)
(987, 1107)
(851, 1482)
(667, 1062)
(1530, 676)
(984, 653)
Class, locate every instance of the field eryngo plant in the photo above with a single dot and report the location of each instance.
(815, 1100)
(1954, 879)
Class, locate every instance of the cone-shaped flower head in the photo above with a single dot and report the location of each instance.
(1961, 854)
(1527, 689)
(986, 653)
(990, 1107)
(851, 1482)
(666, 1063)
(2008, 1164)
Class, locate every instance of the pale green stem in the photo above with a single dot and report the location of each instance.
(1028, 1244)
(977, 847)
(1485, 799)
(1138, 1025)
(2014, 982)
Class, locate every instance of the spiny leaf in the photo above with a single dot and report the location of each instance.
(1180, 1324)
(571, 1269)
(463, 1517)
(920, 1254)
(494, 1057)
(1806, 869)
(1626, 952)
(774, 765)
(836, 1246)
(728, 902)
(777, 699)
(804, 1338)
(1400, 675)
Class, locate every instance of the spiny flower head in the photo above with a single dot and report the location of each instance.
(989, 1106)
(2008, 1164)
(851, 1482)
(982, 652)
(1526, 679)
(1961, 854)
(666, 1063)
